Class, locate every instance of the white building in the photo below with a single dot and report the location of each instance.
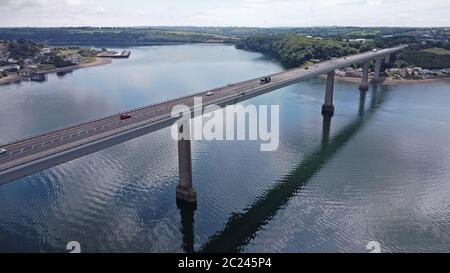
(46, 50)
(10, 68)
(75, 59)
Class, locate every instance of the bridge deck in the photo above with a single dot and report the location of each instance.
(23, 153)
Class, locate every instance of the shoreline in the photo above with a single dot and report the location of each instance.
(17, 78)
(390, 81)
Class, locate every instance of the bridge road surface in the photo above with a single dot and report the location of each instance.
(33, 154)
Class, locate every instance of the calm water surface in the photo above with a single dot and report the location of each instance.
(379, 170)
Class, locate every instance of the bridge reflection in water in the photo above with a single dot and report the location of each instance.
(242, 227)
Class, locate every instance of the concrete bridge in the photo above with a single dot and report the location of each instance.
(27, 156)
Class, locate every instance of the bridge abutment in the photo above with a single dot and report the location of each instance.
(365, 79)
(328, 107)
(185, 190)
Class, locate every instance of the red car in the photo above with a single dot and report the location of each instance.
(125, 117)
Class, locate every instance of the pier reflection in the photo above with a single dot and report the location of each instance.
(242, 227)
(362, 102)
(326, 128)
(187, 213)
(62, 74)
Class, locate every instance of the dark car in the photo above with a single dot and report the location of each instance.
(265, 80)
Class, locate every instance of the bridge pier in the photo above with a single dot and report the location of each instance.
(387, 59)
(328, 107)
(185, 190)
(378, 63)
(365, 79)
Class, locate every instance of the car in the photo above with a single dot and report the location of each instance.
(209, 94)
(374, 50)
(306, 68)
(3, 151)
(125, 117)
(265, 80)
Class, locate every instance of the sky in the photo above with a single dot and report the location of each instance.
(251, 13)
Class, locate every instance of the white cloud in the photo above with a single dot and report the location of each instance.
(225, 13)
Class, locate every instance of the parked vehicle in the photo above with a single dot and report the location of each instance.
(209, 94)
(3, 151)
(265, 80)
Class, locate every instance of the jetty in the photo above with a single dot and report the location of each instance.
(113, 54)
(33, 76)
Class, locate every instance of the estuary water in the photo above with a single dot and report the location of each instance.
(379, 170)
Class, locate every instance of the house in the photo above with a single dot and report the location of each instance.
(357, 40)
(28, 61)
(4, 55)
(46, 50)
(75, 59)
(12, 61)
(425, 72)
(10, 68)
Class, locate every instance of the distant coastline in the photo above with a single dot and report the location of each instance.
(436, 80)
(131, 44)
(17, 78)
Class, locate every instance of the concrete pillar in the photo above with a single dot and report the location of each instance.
(378, 63)
(365, 79)
(185, 189)
(328, 107)
(387, 59)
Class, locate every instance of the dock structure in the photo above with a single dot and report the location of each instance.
(38, 77)
(113, 54)
(33, 75)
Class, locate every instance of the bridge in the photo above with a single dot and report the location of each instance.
(25, 157)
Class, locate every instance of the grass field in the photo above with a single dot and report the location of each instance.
(437, 51)
(89, 59)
